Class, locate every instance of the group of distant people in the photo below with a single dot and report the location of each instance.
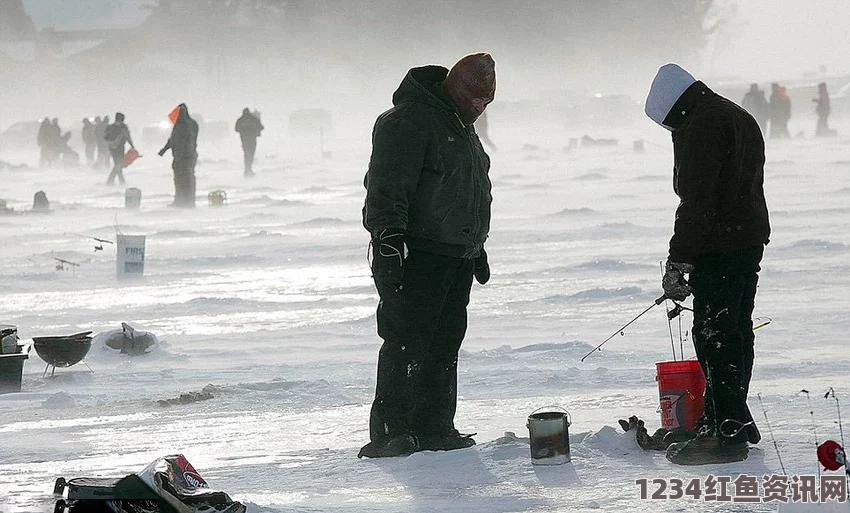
(96, 146)
(103, 140)
(776, 112)
(54, 145)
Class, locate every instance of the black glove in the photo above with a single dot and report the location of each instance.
(388, 259)
(674, 284)
(162, 152)
(481, 269)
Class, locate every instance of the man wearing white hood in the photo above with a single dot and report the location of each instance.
(719, 235)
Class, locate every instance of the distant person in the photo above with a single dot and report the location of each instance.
(249, 127)
(54, 140)
(43, 140)
(822, 110)
(65, 153)
(756, 104)
(100, 126)
(116, 136)
(89, 140)
(183, 144)
(780, 112)
(721, 227)
(482, 127)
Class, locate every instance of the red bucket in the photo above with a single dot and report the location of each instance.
(130, 157)
(680, 389)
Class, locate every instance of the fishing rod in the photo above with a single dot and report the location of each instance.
(671, 314)
(814, 427)
(772, 438)
(830, 453)
(99, 245)
(620, 331)
(761, 322)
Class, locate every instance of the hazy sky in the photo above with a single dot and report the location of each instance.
(771, 38)
(786, 38)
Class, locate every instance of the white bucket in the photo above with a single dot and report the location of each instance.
(130, 261)
(132, 198)
(549, 436)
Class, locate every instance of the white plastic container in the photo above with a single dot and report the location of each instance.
(130, 257)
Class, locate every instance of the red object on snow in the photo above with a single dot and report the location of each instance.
(173, 114)
(827, 455)
(681, 386)
(130, 157)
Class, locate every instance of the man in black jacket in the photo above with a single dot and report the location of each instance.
(719, 235)
(116, 136)
(428, 211)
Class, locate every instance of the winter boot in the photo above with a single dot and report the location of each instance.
(707, 450)
(753, 435)
(446, 441)
(677, 436)
(399, 445)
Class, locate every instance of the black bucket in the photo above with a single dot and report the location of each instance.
(549, 436)
(11, 370)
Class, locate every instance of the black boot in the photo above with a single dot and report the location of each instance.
(707, 450)
(448, 441)
(399, 445)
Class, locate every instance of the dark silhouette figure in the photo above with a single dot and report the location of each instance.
(780, 112)
(65, 153)
(822, 109)
(249, 127)
(756, 104)
(100, 126)
(54, 141)
(117, 135)
(43, 140)
(183, 144)
(89, 140)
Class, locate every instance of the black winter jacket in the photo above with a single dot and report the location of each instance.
(719, 177)
(428, 174)
(184, 138)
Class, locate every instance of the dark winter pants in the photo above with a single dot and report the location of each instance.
(117, 167)
(184, 181)
(249, 147)
(423, 326)
(724, 289)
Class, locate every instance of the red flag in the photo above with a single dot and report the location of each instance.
(173, 114)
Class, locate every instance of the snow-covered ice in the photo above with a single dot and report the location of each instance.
(269, 300)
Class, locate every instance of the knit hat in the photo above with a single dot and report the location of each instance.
(471, 78)
(667, 86)
(476, 74)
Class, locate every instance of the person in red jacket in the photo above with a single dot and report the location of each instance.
(720, 231)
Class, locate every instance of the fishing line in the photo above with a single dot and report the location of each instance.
(814, 427)
(831, 392)
(669, 327)
(772, 438)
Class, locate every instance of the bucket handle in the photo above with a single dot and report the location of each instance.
(562, 410)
